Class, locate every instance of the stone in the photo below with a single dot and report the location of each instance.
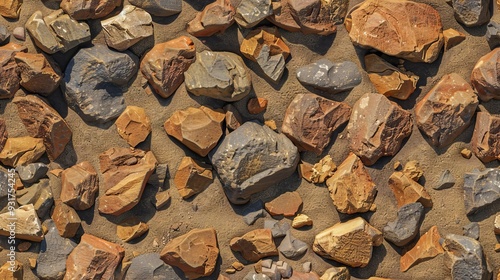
(192, 177)
(214, 19)
(349, 243)
(162, 198)
(9, 71)
(472, 230)
(426, 248)
(271, 124)
(405, 228)
(9, 272)
(287, 204)
(39, 194)
(159, 7)
(413, 170)
(466, 153)
(307, 267)
(472, 12)
(465, 258)
(158, 178)
(51, 261)
(278, 228)
(199, 129)
(271, 272)
(253, 211)
(4, 184)
(93, 258)
(493, 34)
(481, 189)
(133, 125)
(249, 13)
(28, 226)
(66, 219)
(282, 16)
(43, 121)
(238, 266)
(22, 151)
(284, 269)
(233, 117)
(127, 28)
(219, 75)
(104, 71)
(497, 224)
(255, 245)
(388, 79)
(251, 159)
(484, 77)
(84, 10)
(336, 273)
(4, 135)
(318, 17)
(79, 186)
(331, 77)
(407, 190)
(32, 172)
(150, 266)
(19, 33)
(305, 171)
(310, 121)
(256, 276)
(446, 180)
(292, 247)
(23, 246)
(32, 262)
(351, 187)
(4, 33)
(452, 38)
(38, 74)
(301, 220)
(195, 252)
(10, 9)
(391, 29)
(256, 106)
(375, 113)
(131, 228)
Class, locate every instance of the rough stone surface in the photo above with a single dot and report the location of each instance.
(255, 245)
(131, 228)
(150, 266)
(133, 125)
(249, 13)
(464, 257)
(407, 190)
(486, 137)
(481, 189)
(485, 76)
(66, 219)
(214, 19)
(278, 228)
(233, 117)
(317, 17)
(329, 76)
(413, 170)
(336, 273)
(493, 34)
(83, 9)
(28, 226)
(22, 151)
(406, 226)
(9, 71)
(472, 12)
(32, 172)
(80, 186)
(287, 204)
(38, 74)
(452, 38)
(426, 248)
(10, 8)
(446, 180)
(322, 170)
(159, 7)
(192, 177)
(292, 247)
(39, 194)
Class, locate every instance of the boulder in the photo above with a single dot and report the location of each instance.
(192, 177)
(65, 219)
(250, 12)
(287, 204)
(486, 137)
(28, 226)
(292, 247)
(481, 189)
(150, 266)
(472, 12)
(9, 71)
(214, 19)
(79, 186)
(133, 125)
(84, 10)
(329, 76)
(159, 8)
(405, 228)
(38, 74)
(21, 151)
(131, 228)
(32, 172)
(452, 38)
(255, 245)
(407, 190)
(485, 76)
(426, 248)
(10, 9)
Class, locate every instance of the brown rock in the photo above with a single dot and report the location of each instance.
(323, 170)
(351, 187)
(413, 170)
(407, 190)
(192, 177)
(452, 38)
(238, 266)
(38, 74)
(256, 105)
(486, 138)
(66, 219)
(164, 65)
(466, 153)
(84, 9)
(391, 29)
(3, 134)
(446, 111)
(133, 125)
(311, 119)
(233, 117)
(28, 226)
(131, 228)
(195, 252)
(215, 18)
(426, 248)
(318, 17)
(254, 41)
(255, 245)
(23, 246)
(21, 151)
(162, 198)
(79, 186)
(282, 16)
(6, 272)
(198, 128)
(271, 124)
(497, 224)
(485, 76)
(42, 121)
(375, 113)
(9, 71)
(287, 204)
(93, 258)
(301, 220)
(10, 9)
(305, 171)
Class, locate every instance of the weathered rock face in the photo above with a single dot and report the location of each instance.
(407, 190)
(251, 159)
(192, 177)
(249, 13)
(486, 138)
(195, 252)
(464, 257)
(452, 38)
(80, 185)
(163, 66)
(379, 24)
(9, 77)
(311, 119)
(349, 243)
(330, 77)
(127, 28)
(133, 125)
(472, 12)
(405, 228)
(83, 9)
(38, 74)
(10, 8)
(94, 77)
(446, 111)
(351, 187)
(255, 245)
(131, 228)
(301, 220)
(219, 75)
(481, 189)
(322, 170)
(28, 226)
(22, 151)
(493, 34)
(149, 266)
(66, 219)
(485, 76)
(287, 204)
(159, 8)
(215, 18)
(377, 127)
(198, 128)
(426, 248)
(318, 17)
(93, 258)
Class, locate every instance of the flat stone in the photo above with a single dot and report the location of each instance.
(162, 198)
(452, 38)
(292, 247)
(253, 211)
(83, 9)
(329, 76)
(255, 245)
(406, 226)
(192, 177)
(426, 248)
(486, 137)
(32, 172)
(8, 274)
(484, 77)
(159, 8)
(133, 125)
(131, 228)
(4, 33)
(301, 220)
(257, 105)
(243, 156)
(287, 204)
(493, 34)
(38, 74)
(214, 19)
(4, 135)
(66, 219)
(9, 71)
(472, 12)
(233, 117)
(28, 226)
(22, 151)
(407, 190)
(336, 273)
(472, 230)
(278, 228)
(318, 17)
(250, 13)
(19, 33)
(80, 186)
(150, 266)
(10, 9)
(481, 189)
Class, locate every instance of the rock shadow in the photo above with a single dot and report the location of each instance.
(316, 43)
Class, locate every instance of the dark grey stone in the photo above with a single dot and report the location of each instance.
(272, 65)
(472, 230)
(472, 12)
(4, 33)
(253, 211)
(446, 180)
(161, 8)
(292, 247)
(278, 228)
(328, 76)
(150, 266)
(256, 276)
(481, 189)
(404, 229)
(32, 172)
(493, 34)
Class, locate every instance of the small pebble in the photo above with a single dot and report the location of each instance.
(24, 246)
(32, 263)
(271, 124)
(230, 271)
(466, 153)
(307, 266)
(301, 220)
(19, 33)
(497, 248)
(238, 266)
(257, 105)
(397, 165)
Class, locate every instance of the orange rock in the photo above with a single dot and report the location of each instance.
(22, 151)
(253, 42)
(215, 18)
(131, 228)
(287, 204)
(79, 186)
(255, 245)
(66, 219)
(38, 74)
(466, 153)
(7, 273)
(452, 38)
(426, 248)
(413, 170)
(305, 171)
(484, 77)
(192, 177)
(256, 105)
(497, 224)
(407, 190)
(10, 8)
(133, 125)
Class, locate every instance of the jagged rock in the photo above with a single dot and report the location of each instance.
(133, 125)
(149, 266)
(66, 219)
(158, 7)
(322, 170)
(282, 16)
(251, 159)
(493, 34)
(329, 76)
(407, 190)
(233, 117)
(271, 272)
(472, 12)
(413, 170)
(446, 180)
(83, 9)
(22, 151)
(305, 170)
(481, 189)
(485, 76)
(79, 186)
(255, 245)
(192, 177)
(253, 211)
(12, 272)
(452, 38)
(38, 74)
(131, 228)
(336, 273)
(406, 227)
(10, 9)
(278, 228)
(4, 135)
(292, 247)
(318, 17)
(472, 230)
(162, 198)
(301, 220)
(40, 195)
(256, 105)
(287, 204)
(426, 248)
(19, 33)
(32, 172)
(486, 138)
(375, 113)
(250, 12)
(284, 269)
(214, 19)
(28, 226)
(9, 71)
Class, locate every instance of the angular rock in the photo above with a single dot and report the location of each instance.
(301, 220)
(292, 247)
(83, 9)
(158, 178)
(192, 177)
(271, 272)
(257, 105)
(351, 187)
(233, 117)
(66, 219)
(318, 17)
(413, 170)
(131, 228)
(133, 125)
(159, 7)
(406, 226)
(472, 12)
(9, 272)
(214, 19)
(40, 195)
(4, 33)
(162, 198)
(9, 71)
(497, 224)
(282, 16)
(22, 151)
(250, 12)
(407, 190)
(28, 226)
(195, 252)
(305, 171)
(452, 38)
(323, 170)
(377, 127)
(278, 228)
(486, 138)
(466, 153)
(481, 189)
(465, 258)
(287, 204)
(472, 230)
(485, 76)
(329, 76)
(19, 33)
(10, 9)
(32, 172)
(79, 186)
(284, 269)
(493, 34)
(149, 266)
(426, 248)
(38, 74)
(446, 180)
(255, 245)
(251, 159)
(336, 273)
(3, 134)
(253, 211)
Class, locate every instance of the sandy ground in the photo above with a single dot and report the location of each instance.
(211, 208)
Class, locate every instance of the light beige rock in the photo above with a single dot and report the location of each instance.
(301, 220)
(323, 170)
(192, 177)
(452, 38)
(133, 125)
(255, 245)
(413, 170)
(336, 273)
(22, 151)
(28, 226)
(83, 9)
(407, 190)
(426, 248)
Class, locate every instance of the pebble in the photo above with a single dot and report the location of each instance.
(257, 105)
(301, 220)
(472, 230)
(406, 226)
(253, 211)
(287, 204)
(452, 38)
(292, 247)
(131, 228)
(493, 34)
(255, 245)
(4, 33)
(19, 33)
(466, 153)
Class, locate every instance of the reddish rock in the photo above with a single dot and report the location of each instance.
(486, 138)
(131, 228)
(84, 9)
(10, 8)
(21, 151)
(452, 38)
(192, 177)
(446, 110)
(133, 125)
(311, 119)
(426, 248)
(79, 186)
(9, 71)
(305, 171)
(66, 219)
(215, 18)
(3, 134)
(318, 17)
(38, 74)
(256, 105)
(255, 245)
(485, 77)
(287, 204)
(407, 190)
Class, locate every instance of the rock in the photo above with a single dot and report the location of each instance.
(481, 189)
(133, 125)
(219, 75)
(271, 124)
(158, 178)
(253, 211)
(40, 195)
(305, 171)
(446, 110)
(446, 180)
(318, 17)
(104, 71)
(4, 33)
(214, 19)
(329, 76)
(278, 228)
(80, 186)
(493, 34)
(51, 262)
(131, 228)
(19, 33)
(466, 153)
(127, 28)
(336, 273)
(452, 38)
(413, 170)
(66, 219)
(256, 276)
(307, 266)
(406, 227)
(84, 10)
(426, 248)
(149, 266)
(3, 134)
(287, 204)
(32, 172)
(338, 241)
(162, 198)
(250, 13)
(125, 173)
(388, 79)
(38, 74)
(323, 170)
(4, 184)
(233, 117)
(192, 177)
(22, 151)
(28, 226)
(24, 246)
(310, 121)
(251, 159)
(484, 77)
(472, 230)
(472, 12)
(292, 247)
(256, 105)
(407, 190)
(271, 272)
(7, 273)
(158, 7)
(255, 245)
(284, 269)
(199, 129)
(464, 257)
(195, 252)
(282, 16)
(301, 220)
(93, 258)
(10, 9)
(9, 71)
(42, 121)
(351, 187)
(238, 266)
(304, 276)
(374, 112)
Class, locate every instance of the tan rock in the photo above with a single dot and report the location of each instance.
(497, 224)
(271, 124)
(257, 105)
(452, 38)
(83, 9)
(215, 18)
(466, 153)
(28, 226)
(238, 266)
(351, 187)
(484, 77)
(323, 170)
(66, 219)
(195, 252)
(6, 272)
(38, 74)
(162, 199)
(497, 248)
(413, 170)
(426, 248)
(287, 204)
(407, 190)
(3, 134)
(305, 171)
(22, 151)
(301, 220)
(133, 125)
(10, 9)
(131, 228)
(9, 71)
(486, 139)
(233, 117)
(192, 177)
(336, 273)
(255, 245)
(79, 186)
(32, 262)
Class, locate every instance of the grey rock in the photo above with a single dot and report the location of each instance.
(19, 33)
(93, 80)
(32, 172)
(273, 66)
(162, 8)
(307, 267)
(4, 184)
(253, 211)
(472, 12)
(284, 268)
(493, 34)
(406, 226)
(292, 247)
(267, 263)
(256, 276)
(278, 228)
(39, 194)
(328, 76)
(157, 179)
(4, 33)
(481, 189)
(472, 230)
(150, 266)
(446, 180)
(250, 12)
(272, 272)
(251, 159)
